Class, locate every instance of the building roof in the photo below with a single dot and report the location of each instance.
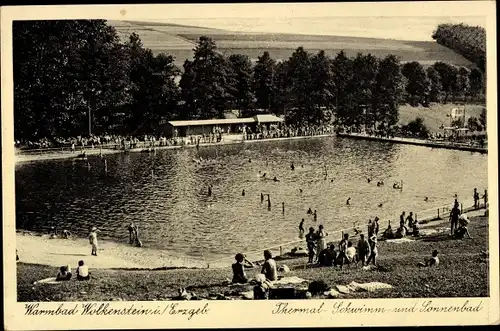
(224, 121)
(267, 118)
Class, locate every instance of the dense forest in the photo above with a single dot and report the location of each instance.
(469, 41)
(64, 70)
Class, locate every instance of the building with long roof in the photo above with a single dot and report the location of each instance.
(227, 125)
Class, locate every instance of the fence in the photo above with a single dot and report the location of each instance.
(424, 216)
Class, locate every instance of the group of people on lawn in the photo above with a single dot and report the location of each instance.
(366, 252)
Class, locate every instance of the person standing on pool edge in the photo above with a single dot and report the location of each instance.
(301, 229)
(93, 240)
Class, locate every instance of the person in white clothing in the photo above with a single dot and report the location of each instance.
(93, 240)
(350, 253)
(82, 272)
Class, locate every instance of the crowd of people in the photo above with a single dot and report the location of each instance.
(473, 140)
(364, 252)
(117, 141)
(284, 131)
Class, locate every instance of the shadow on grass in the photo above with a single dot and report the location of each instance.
(437, 237)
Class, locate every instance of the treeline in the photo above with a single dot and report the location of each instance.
(64, 70)
(469, 41)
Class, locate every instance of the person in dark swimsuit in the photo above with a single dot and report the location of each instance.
(239, 275)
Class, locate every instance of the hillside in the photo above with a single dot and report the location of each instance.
(436, 114)
(179, 41)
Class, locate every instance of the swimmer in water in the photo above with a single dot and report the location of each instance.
(268, 203)
(261, 197)
(210, 190)
(369, 179)
(243, 193)
(426, 199)
(249, 160)
(315, 216)
(309, 211)
(380, 205)
(300, 190)
(276, 179)
(283, 208)
(292, 166)
(348, 201)
(264, 175)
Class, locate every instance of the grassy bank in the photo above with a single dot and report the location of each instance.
(463, 272)
(435, 115)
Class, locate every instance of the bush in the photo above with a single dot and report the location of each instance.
(417, 128)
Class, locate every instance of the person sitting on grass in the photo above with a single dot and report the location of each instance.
(269, 268)
(388, 233)
(66, 234)
(328, 256)
(82, 272)
(239, 275)
(432, 262)
(401, 231)
(416, 229)
(64, 273)
(462, 230)
(261, 290)
(350, 255)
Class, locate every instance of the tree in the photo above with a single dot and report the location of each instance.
(469, 41)
(389, 88)
(343, 74)
(476, 81)
(205, 83)
(242, 71)
(482, 118)
(435, 87)
(448, 75)
(154, 92)
(322, 89)
(264, 80)
(64, 71)
(281, 88)
(417, 128)
(362, 85)
(474, 124)
(418, 85)
(298, 87)
(463, 83)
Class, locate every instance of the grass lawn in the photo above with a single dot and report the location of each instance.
(435, 115)
(463, 272)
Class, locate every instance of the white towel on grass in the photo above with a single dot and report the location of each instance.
(50, 280)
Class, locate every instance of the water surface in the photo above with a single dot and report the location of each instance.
(166, 192)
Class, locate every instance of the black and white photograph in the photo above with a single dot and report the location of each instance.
(208, 154)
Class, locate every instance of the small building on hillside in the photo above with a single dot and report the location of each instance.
(227, 125)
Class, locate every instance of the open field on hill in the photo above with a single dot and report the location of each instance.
(178, 41)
